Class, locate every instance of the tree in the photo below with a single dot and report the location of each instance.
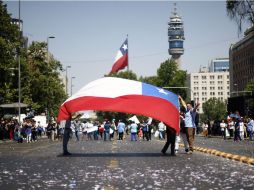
(214, 109)
(9, 43)
(153, 80)
(250, 86)
(49, 92)
(169, 76)
(125, 75)
(240, 11)
(250, 101)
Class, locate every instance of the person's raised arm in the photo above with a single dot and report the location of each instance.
(182, 102)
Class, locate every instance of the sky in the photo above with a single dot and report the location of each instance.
(88, 34)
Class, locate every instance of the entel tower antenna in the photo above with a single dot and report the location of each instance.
(176, 37)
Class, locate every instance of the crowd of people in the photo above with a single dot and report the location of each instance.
(27, 131)
(233, 127)
(113, 130)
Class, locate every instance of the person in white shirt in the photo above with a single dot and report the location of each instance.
(223, 127)
(241, 129)
(161, 128)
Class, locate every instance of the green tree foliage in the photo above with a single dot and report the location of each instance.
(240, 11)
(153, 80)
(9, 43)
(214, 109)
(43, 88)
(125, 75)
(250, 86)
(170, 76)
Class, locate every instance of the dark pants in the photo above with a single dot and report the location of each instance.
(146, 135)
(120, 136)
(237, 135)
(250, 134)
(76, 134)
(223, 133)
(66, 137)
(150, 135)
(171, 138)
(106, 135)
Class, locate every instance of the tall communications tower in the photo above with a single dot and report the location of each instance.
(175, 37)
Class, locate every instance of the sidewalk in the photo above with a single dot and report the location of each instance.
(242, 148)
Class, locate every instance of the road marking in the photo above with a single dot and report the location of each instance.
(109, 187)
(113, 164)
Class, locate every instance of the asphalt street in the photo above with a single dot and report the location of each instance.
(117, 165)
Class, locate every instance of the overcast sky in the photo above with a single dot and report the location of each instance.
(89, 34)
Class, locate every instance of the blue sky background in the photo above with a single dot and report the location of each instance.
(89, 34)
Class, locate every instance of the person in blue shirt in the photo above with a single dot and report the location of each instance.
(120, 129)
(106, 130)
(190, 114)
(250, 128)
(134, 130)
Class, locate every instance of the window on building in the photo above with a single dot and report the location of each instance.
(211, 82)
(211, 77)
(195, 77)
(203, 77)
(219, 76)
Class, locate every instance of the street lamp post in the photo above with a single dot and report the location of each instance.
(236, 88)
(72, 84)
(66, 78)
(19, 80)
(49, 37)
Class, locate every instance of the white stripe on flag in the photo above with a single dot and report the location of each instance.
(109, 87)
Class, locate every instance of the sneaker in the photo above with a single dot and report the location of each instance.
(164, 153)
(187, 150)
(190, 152)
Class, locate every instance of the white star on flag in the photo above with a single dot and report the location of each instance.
(125, 47)
(162, 91)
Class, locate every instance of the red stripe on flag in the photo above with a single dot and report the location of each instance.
(149, 106)
(120, 64)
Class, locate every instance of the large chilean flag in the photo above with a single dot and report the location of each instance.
(123, 95)
(121, 59)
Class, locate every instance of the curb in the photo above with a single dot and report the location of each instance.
(235, 157)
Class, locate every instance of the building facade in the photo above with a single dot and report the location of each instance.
(206, 85)
(241, 56)
(175, 37)
(219, 65)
